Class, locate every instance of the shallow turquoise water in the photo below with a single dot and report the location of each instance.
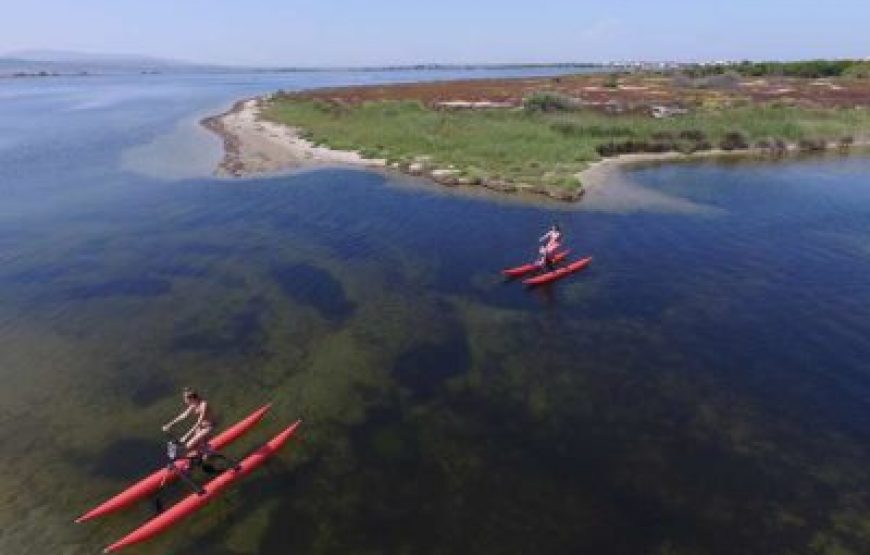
(701, 388)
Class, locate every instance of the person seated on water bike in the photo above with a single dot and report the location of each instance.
(551, 243)
(196, 439)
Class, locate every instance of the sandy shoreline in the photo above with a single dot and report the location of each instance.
(255, 146)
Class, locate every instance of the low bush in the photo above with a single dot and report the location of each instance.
(549, 102)
(596, 131)
(858, 71)
(612, 81)
(635, 147)
(692, 135)
(734, 141)
(812, 145)
(728, 81)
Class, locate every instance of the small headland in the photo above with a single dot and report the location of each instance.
(550, 135)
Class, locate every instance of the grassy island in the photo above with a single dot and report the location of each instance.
(539, 134)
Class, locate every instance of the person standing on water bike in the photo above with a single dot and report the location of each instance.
(551, 243)
(197, 437)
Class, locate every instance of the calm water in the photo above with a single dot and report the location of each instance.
(702, 388)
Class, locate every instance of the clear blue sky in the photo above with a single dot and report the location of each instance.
(358, 32)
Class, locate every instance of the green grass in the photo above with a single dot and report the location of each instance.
(540, 148)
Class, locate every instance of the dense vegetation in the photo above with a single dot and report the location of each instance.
(550, 141)
(810, 69)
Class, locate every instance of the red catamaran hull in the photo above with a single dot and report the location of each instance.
(151, 483)
(564, 271)
(195, 501)
(528, 268)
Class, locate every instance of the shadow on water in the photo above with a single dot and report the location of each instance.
(127, 458)
(180, 270)
(273, 482)
(315, 287)
(424, 368)
(386, 439)
(241, 333)
(143, 287)
(205, 249)
(591, 490)
(142, 385)
(37, 276)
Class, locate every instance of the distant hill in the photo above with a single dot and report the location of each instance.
(64, 56)
(60, 62)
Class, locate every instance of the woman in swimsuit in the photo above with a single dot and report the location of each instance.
(197, 437)
(552, 241)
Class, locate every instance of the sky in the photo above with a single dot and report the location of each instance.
(381, 32)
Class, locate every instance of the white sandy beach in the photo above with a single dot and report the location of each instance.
(254, 146)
